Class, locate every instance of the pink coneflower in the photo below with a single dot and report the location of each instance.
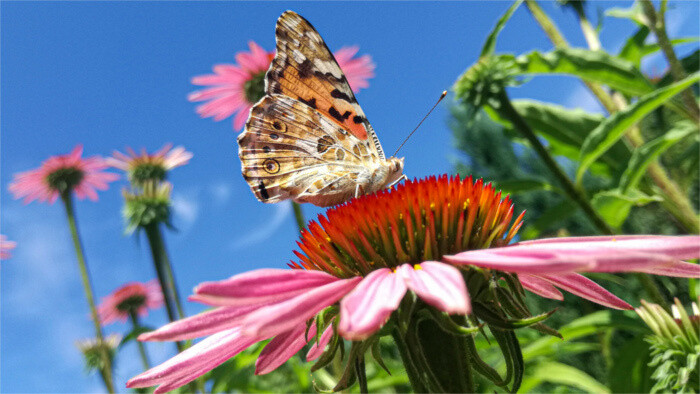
(441, 238)
(233, 89)
(144, 167)
(5, 247)
(133, 298)
(63, 174)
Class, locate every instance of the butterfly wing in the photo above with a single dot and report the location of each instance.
(305, 70)
(291, 150)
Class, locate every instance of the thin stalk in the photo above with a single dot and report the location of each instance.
(299, 216)
(572, 191)
(657, 23)
(161, 262)
(675, 201)
(142, 349)
(361, 374)
(67, 199)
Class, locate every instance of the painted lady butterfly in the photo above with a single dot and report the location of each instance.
(308, 139)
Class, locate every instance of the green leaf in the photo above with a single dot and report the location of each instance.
(133, 334)
(594, 66)
(690, 63)
(569, 127)
(548, 218)
(614, 206)
(633, 49)
(629, 372)
(648, 49)
(633, 13)
(490, 44)
(558, 373)
(645, 154)
(613, 128)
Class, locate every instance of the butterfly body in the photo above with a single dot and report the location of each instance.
(308, 139)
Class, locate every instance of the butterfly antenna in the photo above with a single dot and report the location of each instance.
(442, 96)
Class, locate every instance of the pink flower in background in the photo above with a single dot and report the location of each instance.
(149, 167)
(365, 255)
(5, 247)
(63, 174)
(166, 158)
(233, 89)
(134, 297)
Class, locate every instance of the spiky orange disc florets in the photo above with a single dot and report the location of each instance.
(417, 221)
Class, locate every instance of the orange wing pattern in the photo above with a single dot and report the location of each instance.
(305, 70)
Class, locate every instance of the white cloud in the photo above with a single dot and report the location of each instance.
(282, 212)
(185, 209)
(220, 192)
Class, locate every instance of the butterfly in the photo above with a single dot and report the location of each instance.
(308, 139)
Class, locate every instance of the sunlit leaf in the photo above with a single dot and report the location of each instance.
(614, 206)
(558, 373)
(490, 44)
(613, 128)
(645, 154)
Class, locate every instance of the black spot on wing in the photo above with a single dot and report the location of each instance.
(358, 119)
(306, 69)
(334, 113)
(263, 191)
(311, 103)
(335, 93)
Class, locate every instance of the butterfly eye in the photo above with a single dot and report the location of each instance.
(272, 166)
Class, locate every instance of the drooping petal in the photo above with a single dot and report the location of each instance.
(319, 347)
(540, 287)
(194, 361)
(285, 315)
(282, 347)
(586, 288)
(520, 261)
(370, 304)
(265, 285)
(205, 323)
(438, 284)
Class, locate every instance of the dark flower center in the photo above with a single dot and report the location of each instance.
(254, 88)
(148, 172)
(65, 179)
(132, 303)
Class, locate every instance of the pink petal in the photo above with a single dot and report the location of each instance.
(438, 284)
(319, 347)
(540, 287)
(285, 315)
(265, 285)
(200, 325)
(520, 261)
(282, 348)
(677, 269)
(241, 117)
(679, 247)
(586, 288)
(368, 307)
(194, 361)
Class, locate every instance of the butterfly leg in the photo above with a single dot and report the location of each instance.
(359, 191)
(402, 178)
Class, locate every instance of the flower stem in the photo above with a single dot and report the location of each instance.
(657, 23)
(571, 190)
(165, 277)
(299, 216)
(408, 362)
(87, 286)
(361, 374)
(142, 349)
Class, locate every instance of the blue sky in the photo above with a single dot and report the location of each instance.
(110, 75)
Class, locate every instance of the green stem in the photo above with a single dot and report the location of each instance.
(299, 216)
(573, 192)
(361, 374)
(142, 349)
(414, 376)
(657, 23)
(162, 264)
(87, 286)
